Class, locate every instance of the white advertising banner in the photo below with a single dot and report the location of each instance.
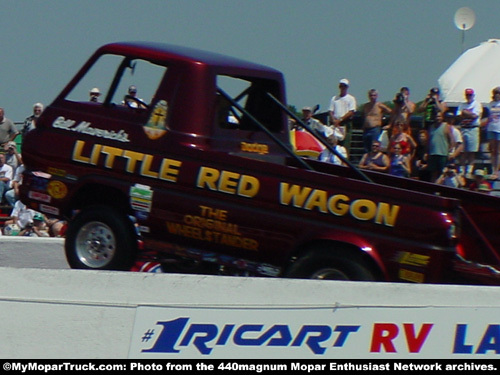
(317, 333)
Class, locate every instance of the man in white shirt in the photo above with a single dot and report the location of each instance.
(469, 114)
(6, 174)
(342, 110)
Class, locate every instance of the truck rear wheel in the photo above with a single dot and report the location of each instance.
(331, 264)
(100, 238)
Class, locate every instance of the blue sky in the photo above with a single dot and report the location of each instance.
(382, 44)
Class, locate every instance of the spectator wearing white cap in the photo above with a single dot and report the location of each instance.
(342, 109)
(94, 94)
(309, 120)
(30, 121)
(331, 157)
(469, 116)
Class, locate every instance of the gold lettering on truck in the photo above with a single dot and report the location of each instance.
(309, 199)
(135, 162)
(227, 182)
(212, 225)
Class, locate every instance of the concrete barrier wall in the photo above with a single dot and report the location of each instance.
(94, 314)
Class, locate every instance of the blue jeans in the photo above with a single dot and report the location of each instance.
(4, 186)
(10, 197)
(370, 135)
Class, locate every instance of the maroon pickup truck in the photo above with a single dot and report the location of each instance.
(196, 170)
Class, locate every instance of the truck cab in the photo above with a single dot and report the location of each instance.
(197, 172)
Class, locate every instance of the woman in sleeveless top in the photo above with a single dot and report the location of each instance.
(398, 136)
(399, 164)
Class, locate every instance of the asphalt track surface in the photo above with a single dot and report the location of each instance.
(32, 252)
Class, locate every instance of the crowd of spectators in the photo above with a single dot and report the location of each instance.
(22, 221)
(443, 149)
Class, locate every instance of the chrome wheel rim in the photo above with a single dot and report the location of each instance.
(95, 244)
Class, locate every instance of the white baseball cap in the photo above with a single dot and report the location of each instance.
(344, 81)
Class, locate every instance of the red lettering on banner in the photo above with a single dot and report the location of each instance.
(415, 342)
(383, 334)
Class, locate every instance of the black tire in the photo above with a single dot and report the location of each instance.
(328, 263)
(100, 238)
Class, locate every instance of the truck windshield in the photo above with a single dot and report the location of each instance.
(112, 79)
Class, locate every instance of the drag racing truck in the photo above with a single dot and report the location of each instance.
(186, 159)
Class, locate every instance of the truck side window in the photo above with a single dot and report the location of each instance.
(252, 96)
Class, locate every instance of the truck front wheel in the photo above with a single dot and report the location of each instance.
(331, 264)
(100, 238)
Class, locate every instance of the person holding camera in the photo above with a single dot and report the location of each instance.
(12, 156)
(431, 106)
(399, 112)
(450, 177)
(409, 106)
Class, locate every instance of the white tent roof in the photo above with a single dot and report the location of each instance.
(477, 68)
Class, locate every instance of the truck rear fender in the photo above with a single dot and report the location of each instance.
(365, 253)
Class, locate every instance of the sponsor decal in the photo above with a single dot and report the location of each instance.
(407, 275)
(85, 127)
(344, 332)
(255, 148)
(412, 259)
(156, 127)
(49, 209)
(141, 197)
(56, 172)
(41, 174)
(57, 189)
(39, 196)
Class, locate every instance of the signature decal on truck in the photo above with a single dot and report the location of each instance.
(211, 225)
(168, 169)
(310, 199)
(85, 128)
